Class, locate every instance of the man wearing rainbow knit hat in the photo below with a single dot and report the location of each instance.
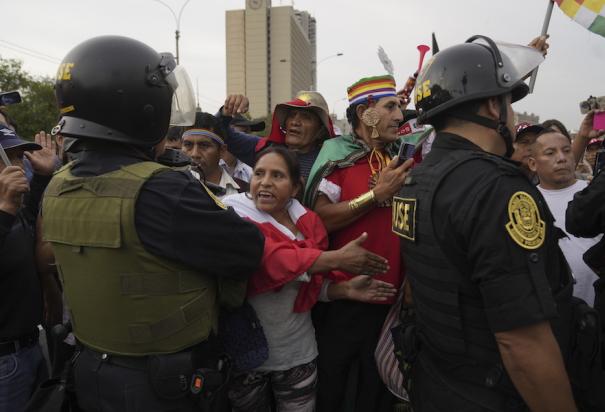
(351, 186)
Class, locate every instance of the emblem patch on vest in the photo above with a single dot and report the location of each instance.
(404, 218)
(525, 226)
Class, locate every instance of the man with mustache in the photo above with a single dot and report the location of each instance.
(204, 144)
(552, 159)
(351, 186)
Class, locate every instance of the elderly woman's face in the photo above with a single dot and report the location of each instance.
(302, 130)
(271, 185)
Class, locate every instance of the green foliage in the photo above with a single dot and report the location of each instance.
(38, 110)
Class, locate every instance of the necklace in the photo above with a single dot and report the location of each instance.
(383, 160)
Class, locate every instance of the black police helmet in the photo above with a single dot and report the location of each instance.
(473, 70)
(114, 88)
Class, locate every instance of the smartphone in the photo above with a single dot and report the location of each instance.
(598, 121)
(10, 98)
(406, 151)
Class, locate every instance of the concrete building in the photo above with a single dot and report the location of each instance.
(530, 118)
(271, 54)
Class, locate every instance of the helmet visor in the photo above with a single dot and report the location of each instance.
(518, 61)
(183, 101)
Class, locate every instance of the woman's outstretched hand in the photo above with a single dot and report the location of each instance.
(353, 258)
(367, 289)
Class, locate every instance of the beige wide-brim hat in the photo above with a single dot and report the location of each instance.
(306, 100)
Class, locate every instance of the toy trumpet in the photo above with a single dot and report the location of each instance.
(406, 92)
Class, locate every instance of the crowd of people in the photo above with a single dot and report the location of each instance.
(180, 260)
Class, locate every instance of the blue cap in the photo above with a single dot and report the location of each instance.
(10, 140)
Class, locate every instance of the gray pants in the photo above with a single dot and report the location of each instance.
(292, 390)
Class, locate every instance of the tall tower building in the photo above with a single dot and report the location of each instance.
(271, 54)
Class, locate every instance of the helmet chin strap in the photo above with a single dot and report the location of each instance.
(499, 126)
(146, 151)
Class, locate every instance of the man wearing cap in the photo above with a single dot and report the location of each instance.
(351, 186)
(21, 303)
(302, 124)
(524, 139)
(491, 290)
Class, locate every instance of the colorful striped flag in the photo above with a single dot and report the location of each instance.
(588, 13)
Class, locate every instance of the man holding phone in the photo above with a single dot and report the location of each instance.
(21, 361)
(351, 186)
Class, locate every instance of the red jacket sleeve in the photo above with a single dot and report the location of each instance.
(313, 228)
(283, 261)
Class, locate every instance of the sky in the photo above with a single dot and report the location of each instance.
(573, 70)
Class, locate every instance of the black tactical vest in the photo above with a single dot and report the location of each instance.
(455, 341)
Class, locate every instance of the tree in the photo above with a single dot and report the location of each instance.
(38, 110)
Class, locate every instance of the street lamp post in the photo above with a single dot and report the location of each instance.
(329, 57)
(317, 63)
(177, 20)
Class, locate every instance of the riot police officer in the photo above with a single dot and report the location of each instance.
(146, 254)
(489, 284)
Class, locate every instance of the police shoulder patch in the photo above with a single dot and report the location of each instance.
(525, 226)
(404, 217)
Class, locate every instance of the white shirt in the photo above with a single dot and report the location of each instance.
(231, 187)
(573, 247)
(227, 183)
(290, 335)
(241, 170)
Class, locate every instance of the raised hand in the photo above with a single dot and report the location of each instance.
(366, 289)
(235, 104)
(391, 179)
(13, 184)
(43, 161)
(586, 128)
(540, 43)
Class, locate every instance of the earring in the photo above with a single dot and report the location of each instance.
(370, 117)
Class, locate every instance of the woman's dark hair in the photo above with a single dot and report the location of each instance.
(289, 158)
(548, 124)
(207, 121)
